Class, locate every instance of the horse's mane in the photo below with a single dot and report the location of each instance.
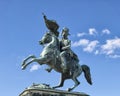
(56, 40)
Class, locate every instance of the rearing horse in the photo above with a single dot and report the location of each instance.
(51, 56)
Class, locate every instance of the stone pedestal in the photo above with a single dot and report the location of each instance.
(45, 90)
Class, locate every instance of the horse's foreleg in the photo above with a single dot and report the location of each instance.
(29, 57)
(40, 60)
(26, 64)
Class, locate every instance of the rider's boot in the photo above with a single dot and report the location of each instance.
(64, 64)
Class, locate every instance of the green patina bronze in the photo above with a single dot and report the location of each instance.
(57, 54)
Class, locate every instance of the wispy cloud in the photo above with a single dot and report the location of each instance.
(111, 46)
(96, 52)
(34, 67)
(106, 31)
(114, 56)
(81, 42)
(91, 46)
(81, 34)
(92, 31)
(87, 45)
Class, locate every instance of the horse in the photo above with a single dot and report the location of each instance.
(51, 56)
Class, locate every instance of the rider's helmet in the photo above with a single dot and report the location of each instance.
(65, 30)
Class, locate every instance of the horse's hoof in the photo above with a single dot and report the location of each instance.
(69, 89)
(54, 87)
(23, 67)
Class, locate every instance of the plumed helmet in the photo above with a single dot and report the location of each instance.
(65, 30)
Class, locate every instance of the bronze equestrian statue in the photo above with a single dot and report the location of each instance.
(58, 56)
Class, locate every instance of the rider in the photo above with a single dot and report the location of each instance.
(66, 51)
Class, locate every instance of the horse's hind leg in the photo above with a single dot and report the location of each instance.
(62, 79)
(76, 83)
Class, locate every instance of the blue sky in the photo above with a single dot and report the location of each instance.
(95, 36)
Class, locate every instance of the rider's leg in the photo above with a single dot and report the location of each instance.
(64, 62)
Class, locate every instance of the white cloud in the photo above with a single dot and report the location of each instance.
(106, 31)
(87, 45)
(110, 46)
(34, 67)
(96, 52)
(92, 31)
(114, 56)
(91, 46)
(81, 34)
(81, 42)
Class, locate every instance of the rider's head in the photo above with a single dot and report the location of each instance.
(65, 31)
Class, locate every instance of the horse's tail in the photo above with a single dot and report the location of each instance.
(87, 74)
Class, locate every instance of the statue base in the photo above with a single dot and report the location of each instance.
(46, 90)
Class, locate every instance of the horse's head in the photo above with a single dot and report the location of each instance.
(47, 38)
